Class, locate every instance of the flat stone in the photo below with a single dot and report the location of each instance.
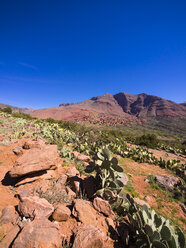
(35, 160)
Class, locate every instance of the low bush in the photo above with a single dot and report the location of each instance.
(148, 140)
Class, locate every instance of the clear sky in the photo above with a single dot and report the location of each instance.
(56, 51)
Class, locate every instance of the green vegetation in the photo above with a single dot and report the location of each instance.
(7, 110)
(70, 137)
(148, 229)
(108, 175)
(148, 140)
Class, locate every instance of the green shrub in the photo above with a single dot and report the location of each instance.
(7, 110)
(148, 140)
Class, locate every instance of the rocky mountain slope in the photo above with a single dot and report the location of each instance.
(121, 105)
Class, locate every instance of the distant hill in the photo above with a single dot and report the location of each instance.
(16, 109)
(119, 106)
(183, 104)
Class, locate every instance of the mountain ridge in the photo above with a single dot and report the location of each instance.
(120, 105)
(116, 108)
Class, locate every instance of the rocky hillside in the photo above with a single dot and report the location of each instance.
(123, 105)
(50, 199)
(17, 109)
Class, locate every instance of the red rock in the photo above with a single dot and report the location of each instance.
(71, 194)
(61, 213)
(72, 172)
(102, 206)
(9, 215)
(89, 236)
(80, 156)
(18, 150)
(40, 233)
(75, 183)
(84, 211)
(38, 143)
(35, 160)
(31, 207)
(9, 238)
(141, 202)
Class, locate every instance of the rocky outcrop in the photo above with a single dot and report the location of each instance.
(35, 160)
(144, 105)
(167, 182)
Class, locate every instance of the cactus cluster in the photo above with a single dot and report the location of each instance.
(108, 174)
(151, 230)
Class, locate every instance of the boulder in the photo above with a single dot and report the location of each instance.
(102, 206)
(70, 193)
(167, 182)
(37, 143)
(33, 206)
(141, 202)
(89, 236)
(124, 180)
(18, 150)
(84, 211)
(9, 215)
(40, 233)
(9, 238)
(61, 213)
(72, 172)
(35, 160)
(81, 157)
(75, 183)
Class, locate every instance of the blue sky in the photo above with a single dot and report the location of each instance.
(59, 51)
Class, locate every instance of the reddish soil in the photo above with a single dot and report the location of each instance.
(157, 199)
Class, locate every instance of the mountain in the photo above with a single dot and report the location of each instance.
(117, 108)
(183, 104)
(144, 105)
(17, 109)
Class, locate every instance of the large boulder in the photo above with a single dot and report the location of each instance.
(167, 182)
(102, 206)
(31, 207)
(89, 236)
(35, 160)
(40, 233)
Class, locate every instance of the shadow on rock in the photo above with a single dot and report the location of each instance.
(9, 181)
